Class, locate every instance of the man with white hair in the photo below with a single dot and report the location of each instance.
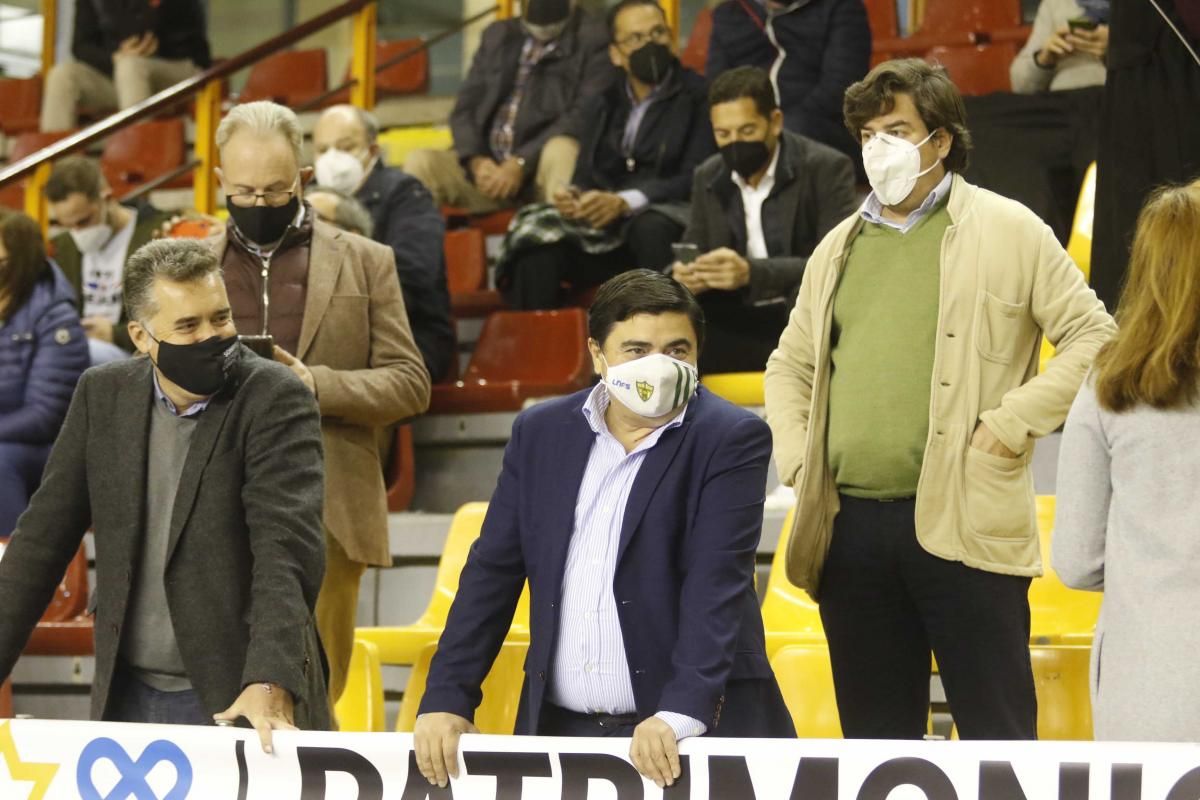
(332, 303)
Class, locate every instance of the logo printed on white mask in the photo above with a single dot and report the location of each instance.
(338, 170)
(893, 166)
(652, 386)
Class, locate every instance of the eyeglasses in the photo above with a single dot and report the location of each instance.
(271, 198)
(634, 41)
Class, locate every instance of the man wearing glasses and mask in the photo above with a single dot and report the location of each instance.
(331, 302)
(640, 142)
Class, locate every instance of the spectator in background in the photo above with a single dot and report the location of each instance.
(1066, 50)
(340, 210)
(42, 354)
(522, 96)
(99, 235)
(405, 219)
(1128, 510)
(905, 402)
(125, 51)
(333, 305)
(758, 210)
(813, 50)
(641, 140)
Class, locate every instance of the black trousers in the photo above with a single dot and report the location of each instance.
(886, 603)
(556, 721)
(539, 273)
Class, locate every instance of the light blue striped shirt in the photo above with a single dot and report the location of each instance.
(872, 209)
(591, 672)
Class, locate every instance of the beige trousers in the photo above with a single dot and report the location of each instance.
(337, 611)
(74, 86)
(445, 178)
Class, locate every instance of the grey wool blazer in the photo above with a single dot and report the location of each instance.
(246, 552)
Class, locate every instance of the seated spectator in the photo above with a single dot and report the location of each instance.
(758, 210)
(813, 50)
(341, 210)
(524, 92)
(1127, 476)
(405, 219)
(641, 140)
(125, 51)
(1060, 55)
(99, 235)
(42, 354)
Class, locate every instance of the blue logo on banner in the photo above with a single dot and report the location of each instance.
(133, 783)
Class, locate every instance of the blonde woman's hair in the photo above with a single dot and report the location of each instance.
(262, 117)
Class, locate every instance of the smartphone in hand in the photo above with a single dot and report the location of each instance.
(260, 345)
(685, 253)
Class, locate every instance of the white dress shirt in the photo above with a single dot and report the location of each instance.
(590, 673)
(753, 198)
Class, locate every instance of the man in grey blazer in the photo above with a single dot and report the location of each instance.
(199, 467)
(759, 208)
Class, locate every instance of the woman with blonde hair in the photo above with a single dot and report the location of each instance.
(1129, 487)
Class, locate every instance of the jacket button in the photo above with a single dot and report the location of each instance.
(542, 677)
(116, 628)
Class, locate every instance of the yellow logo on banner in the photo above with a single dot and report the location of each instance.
(39, 774)
(645, 390)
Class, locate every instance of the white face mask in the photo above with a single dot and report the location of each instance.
(92, 238)
(893, 166)
(341, 171)
(652, 386)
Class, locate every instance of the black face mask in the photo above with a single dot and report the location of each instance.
(746, 158)
(201, 368)
(264, 225)
(651, 63)
(546, 12)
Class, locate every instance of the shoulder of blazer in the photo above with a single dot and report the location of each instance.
(555, 411)
(362, 249)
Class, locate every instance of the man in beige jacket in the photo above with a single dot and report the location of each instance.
(904, 400)
(332, 303)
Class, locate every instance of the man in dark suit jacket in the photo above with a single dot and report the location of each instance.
(209, 549)
(759, 208)
(634, 510)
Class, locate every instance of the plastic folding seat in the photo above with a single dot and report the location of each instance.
(1061, 675)
(140, 153)
(6, 703)
(402, 475)
(290, 78)
(885, 27)
(695, 55)
(466, 261)
(789, 615)
(361, 708)
(1079, 246)
(520, 355)
(1058, 615)
(806, 681)
(497, 714)
(493, 224)
(960, 23)
(12, 195)
(65, 628)
(739, 388)
(403, 644)
(976, 69)
(410, 76)
(21, 104)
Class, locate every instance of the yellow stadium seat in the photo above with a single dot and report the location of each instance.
(403, 644)
(397, 143)
(739, 388)
(1079, 246)
(1058, 615)
(806, 680)
(501, 690)
(1061, 676)
(789, 615)
(360, 708)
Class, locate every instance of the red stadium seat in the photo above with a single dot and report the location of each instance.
(695, 55)
(494, 224)
(12, 195)
(20, 104)
(466, 261)
(410, 76)
(65, 628)
(142, 152)
(402, 475)
(290, 78)
(977, 70)
(6, 705)
(520, 355)
(956, 23)
(885, 26)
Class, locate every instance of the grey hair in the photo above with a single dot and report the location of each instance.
(262, 117)
(368, 121)
(176, 260)
(350, 215)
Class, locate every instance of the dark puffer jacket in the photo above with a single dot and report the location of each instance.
(42, 354)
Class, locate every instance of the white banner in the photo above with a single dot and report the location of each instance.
(46, 760)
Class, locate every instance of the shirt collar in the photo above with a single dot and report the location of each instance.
(161, 397)
(768, 179)
(597, 403)
(650, 98)
(872, 209)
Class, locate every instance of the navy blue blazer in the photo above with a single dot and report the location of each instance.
(684, 581)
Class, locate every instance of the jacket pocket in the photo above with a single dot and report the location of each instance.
(999, 329)
(998, 495)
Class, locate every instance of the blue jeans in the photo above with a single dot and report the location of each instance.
(134, 701)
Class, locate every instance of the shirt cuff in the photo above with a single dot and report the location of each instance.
(635, 199)
(683, 725)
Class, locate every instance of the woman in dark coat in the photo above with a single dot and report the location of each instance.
(42, 354)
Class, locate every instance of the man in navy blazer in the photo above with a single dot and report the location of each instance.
(634, 509)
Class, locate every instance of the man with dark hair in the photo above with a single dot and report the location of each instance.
(652, 628)
(904, 404)
(640, 142)
(758, 210)
(98, 236)
(813, 50)
(125, 51)
(518, 109)
(208, 538)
